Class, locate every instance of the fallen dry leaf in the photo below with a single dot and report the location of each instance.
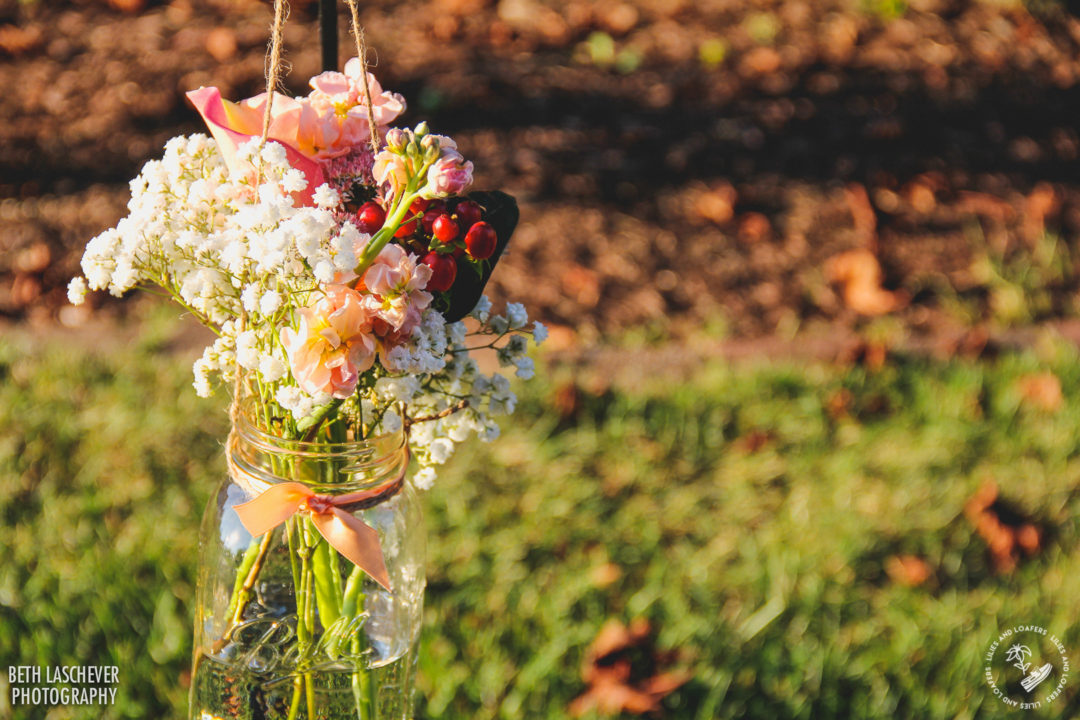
(605, 574)
(624, 673)
(15, 40)
(859, 274)
(128, 6)
(1042, 391)
(717, 204)
(617, 18)
(560, 337)
(1042, 201)
(566, 400)
(33, 259)
(840, 35)
(760, 61)
(754, 227)
(867, 353)
(839, 404)
(582, 284)
(221, 43)
(753, 441)
(1007, 534)
(909, 570)
(920, 197)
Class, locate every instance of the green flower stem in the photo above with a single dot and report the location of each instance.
(383, 236)
(247, 575)
(294, 563)
(308, 428)
(306, 610)
(326, 595)
(361, 685)
(241, 574)
(294, 705)
(309, 684)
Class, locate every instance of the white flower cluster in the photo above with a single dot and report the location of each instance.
(460, 384)
(221, 244)
(244, 257)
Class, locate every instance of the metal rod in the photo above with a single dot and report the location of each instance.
(328, 34)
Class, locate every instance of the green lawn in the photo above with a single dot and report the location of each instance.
(749, 524)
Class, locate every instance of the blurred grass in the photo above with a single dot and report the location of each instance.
(760, 561)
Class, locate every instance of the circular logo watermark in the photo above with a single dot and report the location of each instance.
(1026, 667)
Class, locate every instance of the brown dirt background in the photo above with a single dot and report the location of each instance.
(732, 168)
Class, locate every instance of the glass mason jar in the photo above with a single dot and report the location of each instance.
(286, 627)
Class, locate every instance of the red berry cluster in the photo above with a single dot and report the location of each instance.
(439, 231)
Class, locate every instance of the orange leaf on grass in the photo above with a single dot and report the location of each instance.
(624, 674)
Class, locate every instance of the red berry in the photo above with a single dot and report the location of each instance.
(428, 221)
(443, 271)
(445, 229)
(468, 214)
(416, 211)
(480, 241)
(370, 218)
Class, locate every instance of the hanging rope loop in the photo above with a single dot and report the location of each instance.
(361, 53)
(273, 68)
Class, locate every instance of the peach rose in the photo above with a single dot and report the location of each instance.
(396, 282)
(334, 116)
(333, 343)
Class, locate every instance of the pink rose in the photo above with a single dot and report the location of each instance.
(396, 282)
(450, 175)
(233, 124)
(391, 169)
(334, 116)
(333, 343)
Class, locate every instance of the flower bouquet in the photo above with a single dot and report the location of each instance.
(340, 264)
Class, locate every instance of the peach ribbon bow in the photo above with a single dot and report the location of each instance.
(346, 533)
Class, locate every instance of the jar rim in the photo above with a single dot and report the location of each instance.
(365, 463)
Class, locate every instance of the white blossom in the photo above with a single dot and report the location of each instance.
(76, 291)
(440, 450)
(424, 479)
(326, 197)
(483, 307)
(540, 332)
(270, 302)
(526, 369)
(271, 368)
(516, 315)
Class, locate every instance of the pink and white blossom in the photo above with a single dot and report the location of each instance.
(395, 297)
(333, 343)
(450, 175)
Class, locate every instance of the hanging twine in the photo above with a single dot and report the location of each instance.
(273, 77)
(273, 70)
(361, 53)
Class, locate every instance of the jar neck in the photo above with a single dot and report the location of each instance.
(261, 459)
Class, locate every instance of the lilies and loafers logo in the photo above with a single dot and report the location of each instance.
(1026, 667)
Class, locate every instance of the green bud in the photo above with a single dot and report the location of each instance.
(396, 140)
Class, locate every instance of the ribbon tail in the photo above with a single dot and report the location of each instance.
(356, 540)
(272, 507)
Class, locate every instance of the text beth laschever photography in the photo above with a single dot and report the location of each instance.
(63, 685)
